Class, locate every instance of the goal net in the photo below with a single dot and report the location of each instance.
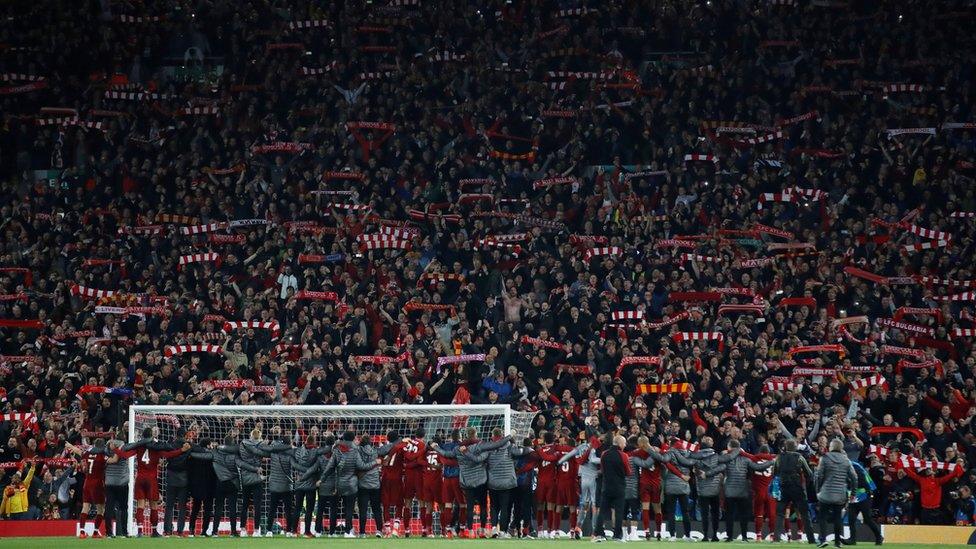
(296, 423)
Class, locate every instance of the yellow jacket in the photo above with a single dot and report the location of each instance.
(15, 497)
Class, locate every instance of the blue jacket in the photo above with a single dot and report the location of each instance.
(865, 484)
(450, 471)
(503, 389)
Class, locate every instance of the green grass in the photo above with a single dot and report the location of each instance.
(330, 543)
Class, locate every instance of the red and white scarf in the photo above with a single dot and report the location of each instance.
(965, 296)
(381, 242)
(604, 250)
(544, 343)
(701, 158)
(918, 311)
(457, 359)
(172, 350)
(255, 324)
(200, 229)
(91, 293)
(780, 384)
(906, 326)
(199, 258)
(700, 336)
(876, 380)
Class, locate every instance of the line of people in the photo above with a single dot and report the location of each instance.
(498, 487)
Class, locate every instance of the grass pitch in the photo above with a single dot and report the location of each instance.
(340, 543)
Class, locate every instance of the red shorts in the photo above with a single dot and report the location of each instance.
(763, 506)
(451, 490)
(413, 483)
(432, 489)
(649, 493)
(94, 492)
(545, 492)
(567, 493)
(146, 489)
(391, 492)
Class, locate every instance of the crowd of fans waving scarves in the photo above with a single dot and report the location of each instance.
(736, 219)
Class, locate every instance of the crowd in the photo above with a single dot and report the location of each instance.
(735, 221)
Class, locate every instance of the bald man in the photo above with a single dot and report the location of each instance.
(615, 466)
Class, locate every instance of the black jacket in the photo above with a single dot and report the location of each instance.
(177, 468)
(202, 478)
(616, 468)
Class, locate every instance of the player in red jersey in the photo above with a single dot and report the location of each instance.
(546, 495)
(391, 483)
(567, 485)
(431, 486)
(414, 457)
(148, 452)
(763, 504)
(452, 496)
(93, 494)
(649, 487)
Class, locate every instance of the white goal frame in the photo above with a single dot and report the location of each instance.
(407, 411)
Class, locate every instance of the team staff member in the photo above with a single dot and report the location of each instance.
(615, 467)
(116, 494)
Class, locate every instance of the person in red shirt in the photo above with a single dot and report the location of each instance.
(432, 485)
(931, 487)
(545, 491)
(649, 486)
(565, 488)
(452, 496)
(93, 493)
(148, 452)
(391, 482)
(763, 504)
(414, 459)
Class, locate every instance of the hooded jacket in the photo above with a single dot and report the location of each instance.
(709, 462)
(834, 477)
(370, 480)
(226, 463)
(737, 483)
(177, 467)
(306, 464)
(279, 469)
(251, 452)
(674, 485)
(346, 463)
(501, 466)
(472, 461)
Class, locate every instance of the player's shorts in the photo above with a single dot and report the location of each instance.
(763, 506)
(545, 492)
(588, 494)
(391, 492)
(451, 490)
(432, 489)
(413, 484)
(568, 493)
(93, 493)
(146, 489)
(649, 493)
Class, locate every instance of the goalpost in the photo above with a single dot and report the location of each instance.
(216, 422)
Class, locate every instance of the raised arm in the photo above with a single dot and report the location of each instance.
(578, 451)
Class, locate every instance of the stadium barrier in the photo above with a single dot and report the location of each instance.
(937, 535)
